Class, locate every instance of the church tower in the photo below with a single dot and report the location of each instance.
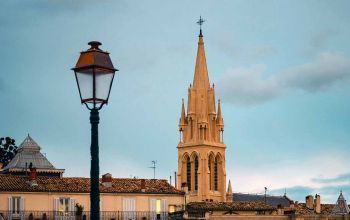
(201, 150)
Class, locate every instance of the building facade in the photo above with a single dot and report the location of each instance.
(57, 197)
(32, 188)
(201, 150)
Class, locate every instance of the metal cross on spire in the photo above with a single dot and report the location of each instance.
(200, 22)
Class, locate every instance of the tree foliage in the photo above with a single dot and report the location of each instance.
(8, 150)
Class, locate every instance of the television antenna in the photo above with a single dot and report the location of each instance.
(154, 168)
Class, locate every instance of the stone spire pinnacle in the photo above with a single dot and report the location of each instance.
(219, 119)
(229, 188)
(183, 115)
(201, 78)
(229, 194)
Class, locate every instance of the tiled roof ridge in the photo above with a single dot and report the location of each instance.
(225, 206)
(82, 185)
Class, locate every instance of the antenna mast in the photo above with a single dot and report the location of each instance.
(154, 168)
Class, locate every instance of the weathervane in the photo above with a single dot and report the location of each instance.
(200, 22)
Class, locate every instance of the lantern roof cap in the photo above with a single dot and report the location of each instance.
(94, 57)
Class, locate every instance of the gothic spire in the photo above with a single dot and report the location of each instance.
(201, 78)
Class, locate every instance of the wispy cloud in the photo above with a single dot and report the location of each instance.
(289, 174)
(343, 178)
(318, 41)
(329, 194)
(247, 85)
(251, 52)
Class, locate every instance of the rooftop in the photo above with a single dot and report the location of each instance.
(270, 200)
(10, 183)
(29, 153)
(326, 209)
(230, 206)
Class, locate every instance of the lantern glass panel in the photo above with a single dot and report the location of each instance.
(85, 83)
(103, 84)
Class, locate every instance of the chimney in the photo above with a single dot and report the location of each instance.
(143, 185)
(107, 180)
(317, 204)
(309, 201)
(184, 187)
(33, 175)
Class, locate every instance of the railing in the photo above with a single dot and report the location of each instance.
(320, 217)
(196, 214)
(115, 215)
(145, 215)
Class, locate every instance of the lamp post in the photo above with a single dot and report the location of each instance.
(94, 73)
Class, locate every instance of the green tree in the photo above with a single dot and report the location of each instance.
(8, 150)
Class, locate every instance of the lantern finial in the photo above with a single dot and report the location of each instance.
(95, 45)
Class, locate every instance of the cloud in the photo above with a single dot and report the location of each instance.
(343, 178)
(248, 86)
(295, 176)
(295, 192)
(329, 194)
(318, 41)
(251, 52)
(262, 51)
(319, 75)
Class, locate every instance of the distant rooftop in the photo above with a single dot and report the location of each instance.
(230, 206)
(270, 200)
(29, 153)
(341, 207)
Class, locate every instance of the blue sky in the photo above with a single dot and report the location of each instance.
(281, 69)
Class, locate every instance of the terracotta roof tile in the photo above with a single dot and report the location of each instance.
(230, 206)
(301, 208)
(82, 185)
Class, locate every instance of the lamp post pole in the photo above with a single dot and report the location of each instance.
(95, 169)
(94, 73)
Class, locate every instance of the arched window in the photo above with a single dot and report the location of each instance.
(188, 172)
(216, 184)
(196, 173)
(211, 170)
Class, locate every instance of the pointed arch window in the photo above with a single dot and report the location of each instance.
(216, 184)
(210, 161)
(188, 173)
(196, 173)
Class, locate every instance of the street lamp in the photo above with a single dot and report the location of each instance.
(94, 73)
